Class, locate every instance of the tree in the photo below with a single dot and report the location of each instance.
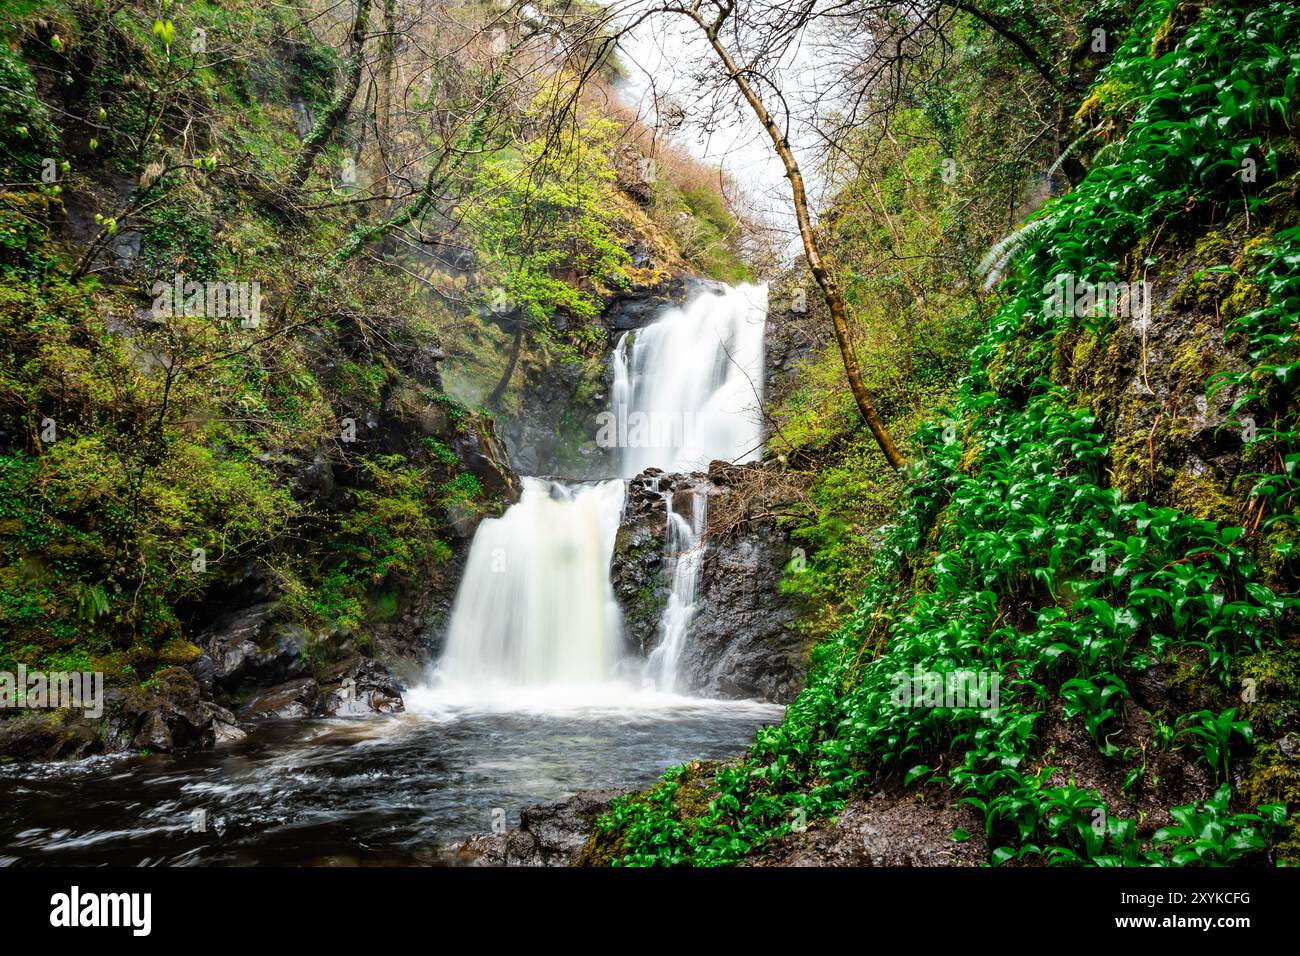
(743, 79)
(324, 129)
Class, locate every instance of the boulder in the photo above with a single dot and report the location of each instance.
(248, 647)
(44, 735)
(549, 834)
(359, 687)
(168, 713)
(295, 698)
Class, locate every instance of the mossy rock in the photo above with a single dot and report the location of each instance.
(1274, 777)
(692, 788)
(1271, 688)
(178, 652)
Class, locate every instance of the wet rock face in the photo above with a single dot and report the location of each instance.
(265, 669)
(639, 569)
(170, 714)
(549, 834)
(787, 343)
(744, 641)
(1145, 379)
(481, 452)
(250, 647)
(555, 431)
(641, 305)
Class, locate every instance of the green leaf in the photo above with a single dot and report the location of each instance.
(911, 775)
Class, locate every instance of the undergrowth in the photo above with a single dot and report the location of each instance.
(1013, 556)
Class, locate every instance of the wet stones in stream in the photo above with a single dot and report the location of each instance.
(277, 670)
(549, 834)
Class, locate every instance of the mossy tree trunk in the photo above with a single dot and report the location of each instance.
(328, 124)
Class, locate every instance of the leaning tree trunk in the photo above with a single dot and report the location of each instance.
(504, 382)
(812, 250)
(324, 129)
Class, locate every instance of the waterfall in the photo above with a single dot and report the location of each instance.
(687, 389)
(535, 607)
(685, 552)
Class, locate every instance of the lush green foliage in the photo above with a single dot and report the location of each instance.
(908, 230)
(194, 439)
(1271, 336)
(1012, 556)
(146, 464)
(540, 217)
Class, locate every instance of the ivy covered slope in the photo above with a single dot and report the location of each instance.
(1104, 522)
(295, 486)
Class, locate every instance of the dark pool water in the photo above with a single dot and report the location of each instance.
(403, 789)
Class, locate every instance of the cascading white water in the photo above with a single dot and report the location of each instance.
(685, 553)
(688, 388)
(535, 607)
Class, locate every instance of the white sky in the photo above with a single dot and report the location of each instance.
(658, 57)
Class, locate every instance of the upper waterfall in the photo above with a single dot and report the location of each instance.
(688, 388)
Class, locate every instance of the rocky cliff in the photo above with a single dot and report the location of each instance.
(744, 641)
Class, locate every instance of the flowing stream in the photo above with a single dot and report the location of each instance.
(400, 789)
(534, 697)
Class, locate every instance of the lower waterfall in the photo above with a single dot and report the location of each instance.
(535, 606)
